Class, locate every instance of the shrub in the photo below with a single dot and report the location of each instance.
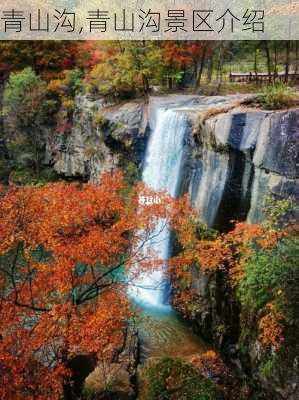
(61, 94)
(175, 379)
(26, 176)
(131, 172)
(266, 368)
(271, 276)
(68, 85)
(4, 170)
(99, 121)
(269, 295)
(111, 80)
(23, 99)
(278, 212)
(276, 96)
(73, 80)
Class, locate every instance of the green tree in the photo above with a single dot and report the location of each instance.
(24, 108)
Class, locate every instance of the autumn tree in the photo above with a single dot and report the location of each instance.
(61, 95)
(200, 52)
(126, 68)
(65, 250)
(176, 58)
(48, 57)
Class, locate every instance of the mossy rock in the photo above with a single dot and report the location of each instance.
(173, 379)
(99, 121)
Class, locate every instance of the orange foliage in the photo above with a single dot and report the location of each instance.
(271, 328)
(241, 241)
(228, 251)
(176, 54)
(212, 255)
(65, 299)
(91, 53)
(210, 364)
(183, 54)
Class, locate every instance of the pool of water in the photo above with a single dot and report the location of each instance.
(163, 333)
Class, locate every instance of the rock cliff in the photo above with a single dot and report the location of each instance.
(236, 155)
(102, 138)
(241, 157)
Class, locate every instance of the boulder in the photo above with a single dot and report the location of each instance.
(116, 379)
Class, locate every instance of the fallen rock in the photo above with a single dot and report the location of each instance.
(115, 379)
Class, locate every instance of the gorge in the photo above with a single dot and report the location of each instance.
(149, 217)
(228, 156)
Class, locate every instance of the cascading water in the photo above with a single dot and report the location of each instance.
(163, 163)
(161, 331)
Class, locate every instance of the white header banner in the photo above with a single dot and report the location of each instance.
(149, 20)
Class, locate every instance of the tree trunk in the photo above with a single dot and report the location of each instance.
(194, 73)
(297, 57)
(255, 64)
(220, 67)
(210, 69)
(268, 56)
(287, 61)
(33, 134)
(275, 61)
(202, 64)
(146, 87)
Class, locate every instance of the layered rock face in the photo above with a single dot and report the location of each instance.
(242, 157)
(102, 138)
(239, 158)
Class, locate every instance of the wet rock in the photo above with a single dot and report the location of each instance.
(240, 158)
(267, 183)
(212, 172)
(238, 130)
(129, 120)
(282, 383)
(277, 146)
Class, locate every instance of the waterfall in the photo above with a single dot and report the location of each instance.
(163, 162)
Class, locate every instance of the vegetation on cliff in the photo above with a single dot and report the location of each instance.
(259, 266)
(277, 96)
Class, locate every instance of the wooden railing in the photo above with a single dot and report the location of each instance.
(262, 76)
